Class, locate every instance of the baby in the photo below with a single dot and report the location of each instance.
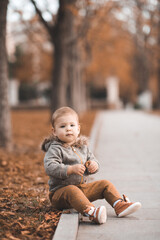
(68, 161)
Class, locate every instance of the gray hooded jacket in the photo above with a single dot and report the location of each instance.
(59, 156)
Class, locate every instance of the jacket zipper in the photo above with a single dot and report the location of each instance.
(74, 150)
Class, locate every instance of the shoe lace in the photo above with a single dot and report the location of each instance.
(89, 212)
(126, 199)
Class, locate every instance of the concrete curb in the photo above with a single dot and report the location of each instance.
(67, 227)
(68, 224)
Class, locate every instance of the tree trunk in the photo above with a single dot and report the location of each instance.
(5, 123)
(66, 76)
(158, 70)
(141, 71)
(76, 89)
(141, 64)
(67, 70)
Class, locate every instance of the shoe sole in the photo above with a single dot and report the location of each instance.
(102, 215)
(131, 209)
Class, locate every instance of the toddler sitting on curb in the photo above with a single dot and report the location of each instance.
(68, 161)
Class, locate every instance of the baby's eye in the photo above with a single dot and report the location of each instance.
(62, 126)
(72, 125)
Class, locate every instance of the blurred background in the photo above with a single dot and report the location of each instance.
(85, 54)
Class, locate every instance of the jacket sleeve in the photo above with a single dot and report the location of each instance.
(54, 165)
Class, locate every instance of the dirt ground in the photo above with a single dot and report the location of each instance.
(25, 210)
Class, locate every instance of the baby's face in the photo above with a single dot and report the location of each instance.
(67, 128)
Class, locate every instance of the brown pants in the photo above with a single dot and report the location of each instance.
(81, 196)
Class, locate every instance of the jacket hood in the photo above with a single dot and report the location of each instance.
(81, 140)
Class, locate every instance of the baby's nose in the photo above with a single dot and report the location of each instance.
(68, 127)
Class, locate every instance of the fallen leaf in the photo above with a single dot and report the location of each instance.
(10, 236)
(26, 232)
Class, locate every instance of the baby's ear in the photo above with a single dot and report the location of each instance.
(53, 131)
(79, 127)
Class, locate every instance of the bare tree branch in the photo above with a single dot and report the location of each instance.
(86, 22)
(49, 28)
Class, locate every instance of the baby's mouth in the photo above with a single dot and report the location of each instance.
(69, 134)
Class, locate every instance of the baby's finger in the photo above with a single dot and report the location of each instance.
(83, 167)
(81, 173)
(92, 169)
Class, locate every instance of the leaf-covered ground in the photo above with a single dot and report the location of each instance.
(25, 210)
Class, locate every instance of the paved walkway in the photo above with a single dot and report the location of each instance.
(128, 149)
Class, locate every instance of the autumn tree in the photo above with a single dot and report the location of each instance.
(123, 42)
(141, 60)
(111, 49)
(67, 85)
(5, 122)
(147, 47)
(66, 32)
(116, 41)
(31, 64)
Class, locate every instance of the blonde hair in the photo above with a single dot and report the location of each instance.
(62, 111)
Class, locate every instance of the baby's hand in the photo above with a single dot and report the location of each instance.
(76, 169)
(93, 166)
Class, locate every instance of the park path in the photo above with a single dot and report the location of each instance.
(127, 145)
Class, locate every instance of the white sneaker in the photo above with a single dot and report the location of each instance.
(125, 207)
(97, 215)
